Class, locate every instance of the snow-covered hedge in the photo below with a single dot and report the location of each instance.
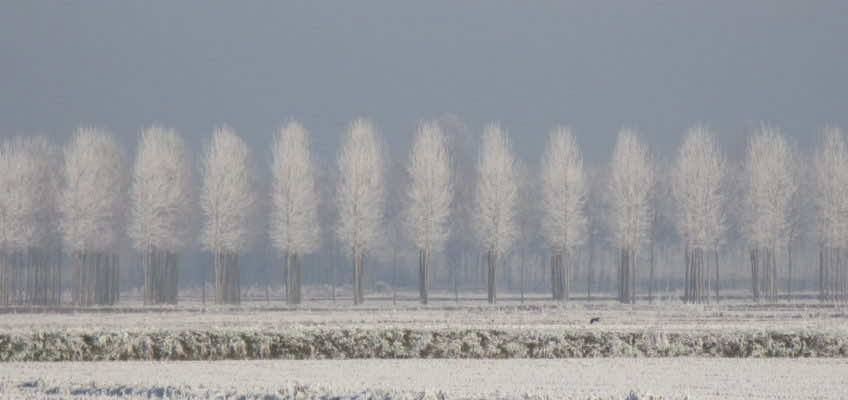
(50, 390)
(388, 342)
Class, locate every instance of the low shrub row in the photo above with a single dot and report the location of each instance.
(326, 343)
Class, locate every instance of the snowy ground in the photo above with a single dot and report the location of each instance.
(683, 377)
(259, 315)
(694, 378)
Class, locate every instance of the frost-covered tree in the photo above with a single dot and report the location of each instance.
(361, 197)
(699, 189)
(430, 194)
(497, 198)
(565, 222)
(92, 206)
(771, 187)
(228, 201)
(29, 184)
(161, 205)
(631, 215)
(295, 230)
(831, 195)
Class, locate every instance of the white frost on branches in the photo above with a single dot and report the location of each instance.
(772, 185)
(161, 192)
(497, 192)
(430, 191)
(630, 190)
(698, 185)
(29, 186)
(831, 175)
(228, 199)
(294, 199)
(94, 196)
(361, 191)
(564, 192)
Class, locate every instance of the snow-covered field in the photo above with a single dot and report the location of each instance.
(693, 378)
(381, 330)
(258, 315)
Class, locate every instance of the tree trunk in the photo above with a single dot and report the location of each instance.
(423, 274)
(357, 278)
(235, 276)
(555, 293)
(702, 276)
(772, 275)
(293, 292)
(59, 276)
(266, 277)
(219, 277)
(116, 279)
(361, 278)
(627, 276)
(694, 284)
(569, 261)
(833, 290)
(334, 260)
(175, 287)
(456, 277)
(147, 271)
(831, 293)
(789, 272)
(717, 297)
(834, 275)
(755, 278)
(821, 274)
(623, 276)
(590, 271)
(836, 292)
(287, 278)
(205, 272)
(651, 278)
(632, 269)
(491, 259)
(840, 277)
(522, 274)
(394, 275)
(4, 283)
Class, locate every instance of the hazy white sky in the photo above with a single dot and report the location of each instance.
(657, 66)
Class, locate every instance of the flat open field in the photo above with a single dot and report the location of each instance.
(671, 378)
(260, 330)
(409, 351)
(539, 314)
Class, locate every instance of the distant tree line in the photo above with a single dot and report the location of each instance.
(76, 207)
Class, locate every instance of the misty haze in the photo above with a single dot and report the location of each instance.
(436, 200)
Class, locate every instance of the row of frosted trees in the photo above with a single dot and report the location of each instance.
(50, 209)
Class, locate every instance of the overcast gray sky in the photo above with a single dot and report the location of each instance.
(594, 65)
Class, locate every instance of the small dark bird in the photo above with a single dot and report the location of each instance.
(593, 320)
